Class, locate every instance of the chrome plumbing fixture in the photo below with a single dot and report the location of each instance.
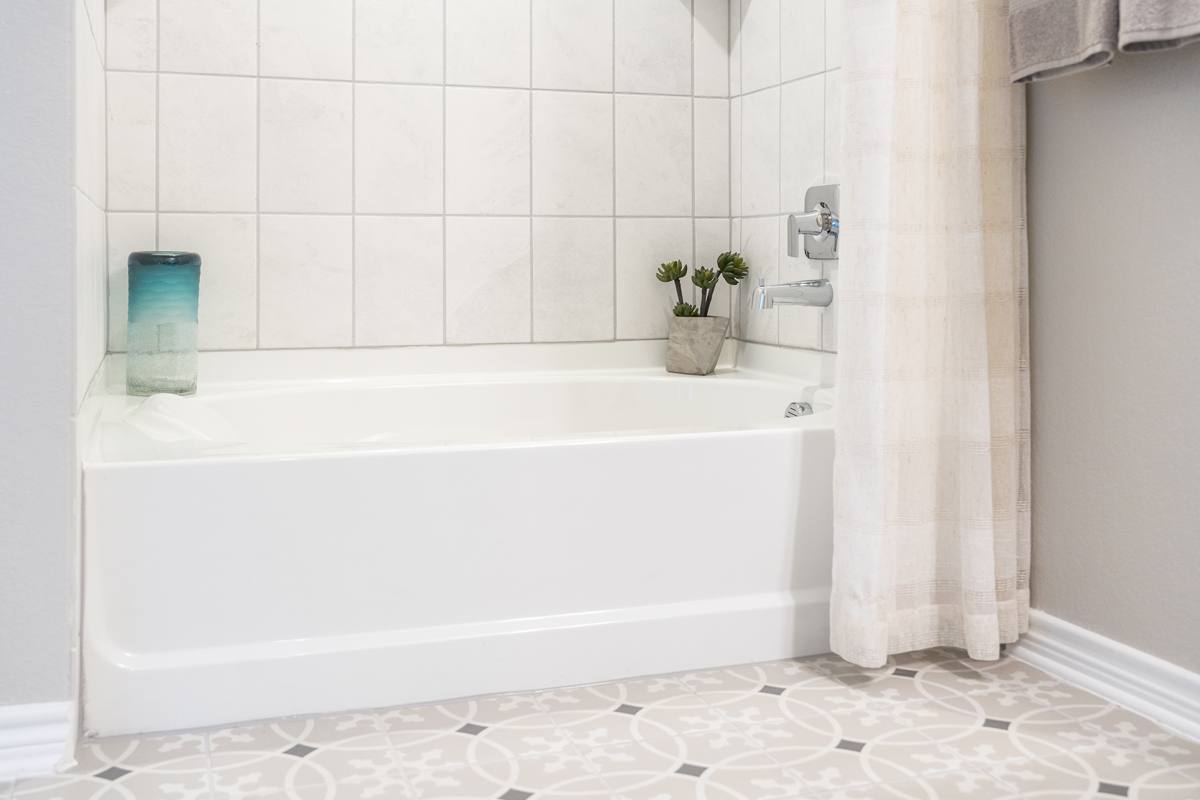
(819, 226)
(798, 410)
(818, 292)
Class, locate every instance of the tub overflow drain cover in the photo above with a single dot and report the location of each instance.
(798, 410)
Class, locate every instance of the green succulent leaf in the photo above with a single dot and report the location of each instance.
(686, 310)
(672, 271)
(733, 267)
(705, 278)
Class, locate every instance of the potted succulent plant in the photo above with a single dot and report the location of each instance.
(695, 338)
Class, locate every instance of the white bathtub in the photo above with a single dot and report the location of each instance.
(404, 526)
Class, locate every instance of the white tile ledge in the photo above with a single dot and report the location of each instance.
(1138, 681)
(33, 737)
(370, 362)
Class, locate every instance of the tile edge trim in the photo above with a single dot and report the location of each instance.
(1131, 678)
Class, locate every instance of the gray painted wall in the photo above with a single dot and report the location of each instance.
(37, 348)
(1115, 316)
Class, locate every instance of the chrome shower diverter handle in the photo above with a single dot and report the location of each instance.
(820, 223)
(818, 226)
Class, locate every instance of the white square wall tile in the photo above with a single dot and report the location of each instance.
(760, 152)
(644, 302)
(398, 40)
(712, 239)
(306, 38)
(305, 150)
(833, 34)
(799, 326)
(398, 149)
(737, 294)
(207, 135)
(735, 48)
(760, 44)
(228, 273)
(397, 280)
(735, 156)
(305, 281)
(760, 248)
(802, 33)
(573, 44)
(487, 151)
(653, 45)
(572, 153)
(712, 157)
(213, 36)
(91, 275)
(833, 125)
(487, 280)
(572, 279)
(654, 155)
(829, 317)
(127, 233)
(132, 139)
(90, 112)
(132, 34)
(487, 42)
(802, 138)
(710, 47)
(96, 22)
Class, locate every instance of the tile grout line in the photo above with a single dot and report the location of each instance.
(613, 86)
(571, 744)
(425, 84)
(745, 734)
(353, 172)
(782, 254)
(445, 188)
(157, 118)
(425, 216)
(382, 727)
(531, 265)
(257, 176)
(210, 773)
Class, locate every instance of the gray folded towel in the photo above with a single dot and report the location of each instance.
(1158, 24)
(1049, 38)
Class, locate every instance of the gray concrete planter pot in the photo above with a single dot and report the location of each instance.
(694, 344)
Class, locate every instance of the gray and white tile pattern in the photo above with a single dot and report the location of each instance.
(928, 725)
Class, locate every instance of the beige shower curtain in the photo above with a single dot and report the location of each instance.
(931, 487)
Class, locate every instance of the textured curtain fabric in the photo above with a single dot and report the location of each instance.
(931, 484)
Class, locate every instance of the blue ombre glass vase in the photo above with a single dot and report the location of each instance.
(164, 304)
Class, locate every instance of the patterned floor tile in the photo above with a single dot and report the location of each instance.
(557, 775)
(336, 791)
(715, 765)
(821, 753)
(472, 732)
(166, 767)
(1171, 783)
(941, 786)
(603, 696)
(348, 754)
(601, 720)
(926, 726)
(781, 690)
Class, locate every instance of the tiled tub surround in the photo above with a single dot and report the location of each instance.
(785, 131)
(415, 172)
(928, 725)
(536, 515)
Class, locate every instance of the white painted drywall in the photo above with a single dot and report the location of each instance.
(1114, 213)
(37, 348)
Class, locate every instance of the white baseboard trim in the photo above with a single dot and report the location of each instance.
(1138, 681)
(33, 738)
